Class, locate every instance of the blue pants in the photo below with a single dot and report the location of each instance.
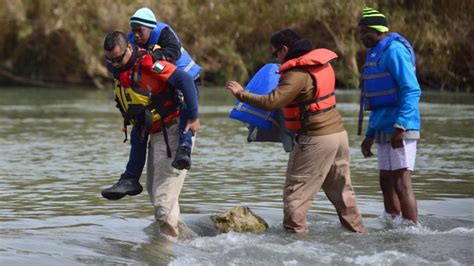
(137, 157)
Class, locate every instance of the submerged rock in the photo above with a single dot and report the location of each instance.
(185, 232)
(239, 219)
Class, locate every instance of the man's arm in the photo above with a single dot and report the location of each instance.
(180, 80)
(402, 70)
(170, 47)
(289, 87)
(184, 82)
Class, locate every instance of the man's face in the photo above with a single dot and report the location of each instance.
(141, 34)
(368, 36)
(118, 57)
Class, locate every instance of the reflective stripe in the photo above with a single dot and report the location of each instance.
(240, 107)
(376, 76)
(373, 15)
(370, 64)
(274, 122)
(380, 93)
(189, 66)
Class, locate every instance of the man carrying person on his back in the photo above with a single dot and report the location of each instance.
(390, 90)
(146, 95)
(148, 33)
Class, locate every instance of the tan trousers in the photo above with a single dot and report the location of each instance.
(315, 162)
(164, 182)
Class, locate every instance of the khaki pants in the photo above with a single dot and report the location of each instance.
(164, 182)
(315, 162)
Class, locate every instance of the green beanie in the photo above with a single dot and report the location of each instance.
(374, 19)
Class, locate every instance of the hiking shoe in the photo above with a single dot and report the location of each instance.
(182, 160)
(125, 186)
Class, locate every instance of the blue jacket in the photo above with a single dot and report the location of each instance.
(379, 87)
(184, 62)
(398, 61)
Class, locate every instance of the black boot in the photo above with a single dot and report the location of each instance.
(125, 186)
(182, 160)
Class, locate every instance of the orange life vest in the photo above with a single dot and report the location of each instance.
(317, 64)
(146, 84)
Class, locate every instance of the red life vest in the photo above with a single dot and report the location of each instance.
(317, 64)
(146, 84)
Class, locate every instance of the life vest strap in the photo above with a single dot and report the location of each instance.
(360, 119)
(165, 136)
(321, 111)
(157, 102)
(141, 91)
(380, 93)
(125, 131)
(119, 105)
(308, 102)
(123, 99)
(307, 114)
(376, 76)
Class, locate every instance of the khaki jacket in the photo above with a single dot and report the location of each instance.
(296, 84)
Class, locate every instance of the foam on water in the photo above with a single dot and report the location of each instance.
(403, 226)
(422, 230)
(329, 244)
(387, 258)
(243, 249)
(278, 248)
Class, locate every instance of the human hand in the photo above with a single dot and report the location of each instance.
(193, 125)
(366, 146)
(397, 138)
(234, 87)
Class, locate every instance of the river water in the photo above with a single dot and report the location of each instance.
(59, 148)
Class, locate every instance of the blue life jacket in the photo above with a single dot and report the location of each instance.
(263, 82)
(379, 88)
(185, 62)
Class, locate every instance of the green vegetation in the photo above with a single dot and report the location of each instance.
(60, 41)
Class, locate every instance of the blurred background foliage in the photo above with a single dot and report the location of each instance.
(51, 42)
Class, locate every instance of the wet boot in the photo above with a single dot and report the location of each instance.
(182, 160)
(125, 186)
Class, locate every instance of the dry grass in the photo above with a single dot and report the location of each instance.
(61, 40)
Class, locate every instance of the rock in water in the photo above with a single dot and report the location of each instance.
(239, 219)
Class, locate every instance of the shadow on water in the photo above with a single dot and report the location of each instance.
(60, 147)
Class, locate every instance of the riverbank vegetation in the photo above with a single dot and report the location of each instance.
(52, 42)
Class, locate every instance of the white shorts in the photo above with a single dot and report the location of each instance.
(393, 159)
